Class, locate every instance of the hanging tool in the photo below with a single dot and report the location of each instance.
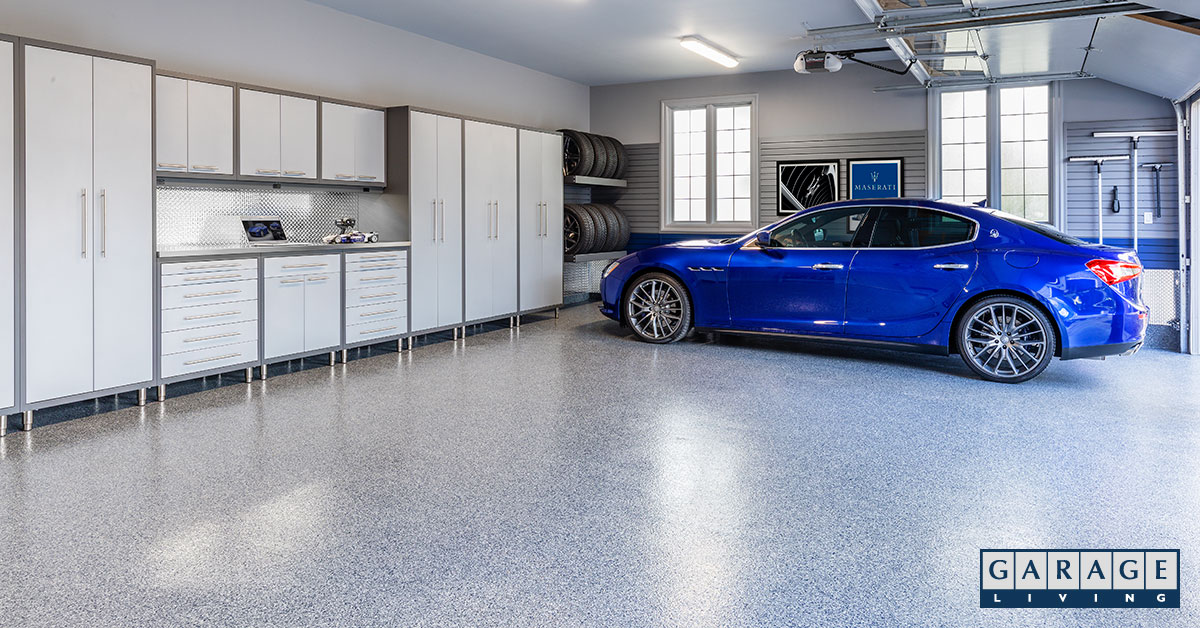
(1099, 161)
(1116, 204)
(1134, 138)
(1157, 168)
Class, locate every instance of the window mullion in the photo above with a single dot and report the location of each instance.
(710, 164)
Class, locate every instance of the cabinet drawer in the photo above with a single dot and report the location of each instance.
(226, 265)
(376, 329)
(194, 279)
(226, 292)
(376, 295)
(355, 260)
(190, 340)
(209, 315)
(305, 265)
(211, 358)
(380, 312)
(377, 278)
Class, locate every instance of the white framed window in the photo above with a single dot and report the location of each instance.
(709, 156)
(996, 144)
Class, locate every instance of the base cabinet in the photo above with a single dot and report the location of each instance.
(376, 296)
(209, 315)
(301, 304)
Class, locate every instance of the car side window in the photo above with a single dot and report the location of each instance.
(831, 228)
(915, 227)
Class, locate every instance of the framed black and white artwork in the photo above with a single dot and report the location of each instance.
(804, 184)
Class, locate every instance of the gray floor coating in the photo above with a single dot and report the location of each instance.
(567, 475)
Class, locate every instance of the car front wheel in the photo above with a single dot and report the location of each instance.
(1006, 339)
(658, 308)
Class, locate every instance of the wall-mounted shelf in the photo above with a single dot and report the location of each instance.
(594, 181)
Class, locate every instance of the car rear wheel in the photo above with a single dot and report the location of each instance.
(658, 309)
(1006, 339)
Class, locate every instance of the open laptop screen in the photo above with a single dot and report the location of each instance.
(263, 229)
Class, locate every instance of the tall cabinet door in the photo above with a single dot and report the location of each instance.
(450, 208)
(7, 237)
(58, 224)
(529, 209)
(298, 137)
(479, 226)
(123, 193)
(258, 133)
(423, 219)
(210, 128)
(504, 238)
(552, 220)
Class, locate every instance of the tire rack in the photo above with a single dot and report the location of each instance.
(582, 273)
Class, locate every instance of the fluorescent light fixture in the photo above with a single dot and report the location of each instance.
(708, 51)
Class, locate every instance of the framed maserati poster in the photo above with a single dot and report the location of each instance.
(876, 178)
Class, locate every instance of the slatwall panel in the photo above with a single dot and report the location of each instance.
(1158, 244)
(909, 146)
(639, 200)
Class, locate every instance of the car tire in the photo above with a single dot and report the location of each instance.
(579, 230)
(658, 309)
(600, 161)
(613, 224)
(1006, 339)
(578, 154)
(613, 162)
(622, 158)
(623, 223)
(600, 227)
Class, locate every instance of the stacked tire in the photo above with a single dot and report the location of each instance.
(594, 228)
(590, 155)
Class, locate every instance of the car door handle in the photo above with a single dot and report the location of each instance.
(827, 266)
(951, 266)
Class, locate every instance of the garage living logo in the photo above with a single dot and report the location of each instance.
(1126, 578)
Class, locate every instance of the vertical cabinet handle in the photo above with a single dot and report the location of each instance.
(442, 203)
(103, 222)
(435, 220)
(83, 223)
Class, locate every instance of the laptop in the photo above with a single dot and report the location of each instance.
(265, 231)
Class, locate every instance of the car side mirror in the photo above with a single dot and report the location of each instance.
(763, 239)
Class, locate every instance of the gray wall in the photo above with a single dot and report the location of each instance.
(789, 104)
(1094, 99)
(304, 47)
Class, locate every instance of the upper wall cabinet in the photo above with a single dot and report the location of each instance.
(194, 126)
(353, 144)
(277, 135)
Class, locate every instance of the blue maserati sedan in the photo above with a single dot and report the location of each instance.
(1005, 293)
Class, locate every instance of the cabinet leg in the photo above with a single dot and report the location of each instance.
(262, 371)
(162, 392)
(249, 374)
(518, 317)
(3, 424)
(27, 420)
(410, 343)
(332, 358)
(345, 356)
(141, 396)
(555, 312)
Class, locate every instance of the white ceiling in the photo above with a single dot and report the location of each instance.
(600, 42)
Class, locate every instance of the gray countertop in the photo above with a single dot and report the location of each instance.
(284, 249)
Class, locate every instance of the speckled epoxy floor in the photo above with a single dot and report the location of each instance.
(567, 475)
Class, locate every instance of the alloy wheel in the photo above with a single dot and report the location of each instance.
(655, 309)
(570, 233)
(1006, 340)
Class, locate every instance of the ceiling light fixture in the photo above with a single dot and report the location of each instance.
(708, 51)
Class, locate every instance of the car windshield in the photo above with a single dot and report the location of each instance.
(1040, 228)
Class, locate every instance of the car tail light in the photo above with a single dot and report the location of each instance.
(1113, 272)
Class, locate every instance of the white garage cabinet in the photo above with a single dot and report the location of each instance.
(490, 218)
(435, 218)
(541, 217)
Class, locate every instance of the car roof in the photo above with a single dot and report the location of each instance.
(965, 209)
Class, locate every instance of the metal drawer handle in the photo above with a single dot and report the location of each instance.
(380, 312)
(951, 266)
(377, 265)
(216, 337)
(211, 266)
(306, 265)
(376, 331)
(211, 294)
(380, 256)
(196, 317)
(206, 168)
(300, 280)
(220, 357)
(294, 173)
(343, 176)
(379, 296)
(176, 166)
(367, 177)
(381, 278)
(265, 171)
(321, 278)
(210, 277)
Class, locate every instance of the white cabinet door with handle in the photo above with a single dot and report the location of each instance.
(210, 128)
(322, 310)
(552, 220)
(259, 133)
(7, 235)
(58, 200)
(171, 123)
(530, 212)
(283, 316)
(339, 127)
(298, 137)
(450, 209)
(370, 146)
(123, 199)
(504, 238)
(424, 218)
